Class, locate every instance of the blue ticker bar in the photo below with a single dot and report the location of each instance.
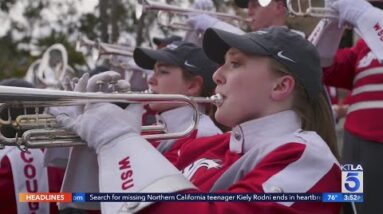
(343, 197)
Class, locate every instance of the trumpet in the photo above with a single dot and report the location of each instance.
(104, 48)
(165, 19)
(307, 8)
(147, 5)
(111, 51)
(43, 131)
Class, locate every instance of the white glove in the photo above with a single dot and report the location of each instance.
(367, 22)
(206, 5)
(103, 122)
(103, 82)
(122, 86)
(71, 111)
(200, 23)
(350, 10)
(59, 156)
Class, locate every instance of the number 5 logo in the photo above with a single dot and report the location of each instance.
(352, 182)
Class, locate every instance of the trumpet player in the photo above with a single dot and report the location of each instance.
(274, 14)
(282, 128)
(179, 68)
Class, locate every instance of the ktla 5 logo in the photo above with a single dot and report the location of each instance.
(352, 178)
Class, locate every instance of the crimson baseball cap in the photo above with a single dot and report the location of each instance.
(183, 54)
(290, 49)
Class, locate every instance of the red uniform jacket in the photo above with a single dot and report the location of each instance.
(284, 158)
(8, 203)
(357, 69)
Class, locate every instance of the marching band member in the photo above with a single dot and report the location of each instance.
(359, 70)
(179, 68)
(274, 14)
(76, 179)
(24, 171)
(282, 140)
(51, 69)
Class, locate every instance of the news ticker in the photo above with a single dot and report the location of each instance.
(190, 197)
(351, 185)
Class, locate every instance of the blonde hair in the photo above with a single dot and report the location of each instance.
(315, 115)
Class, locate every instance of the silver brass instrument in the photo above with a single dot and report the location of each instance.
(147, 5)
(165, 19)
(51, 70)
(42, 130)
(111, 52)
(104, 48)
(313, 8)
(308, 8)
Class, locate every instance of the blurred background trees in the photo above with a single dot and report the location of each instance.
(29, 27)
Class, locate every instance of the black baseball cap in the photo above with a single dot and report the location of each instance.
(290, 49)
(183, 54)
(167, 40)
(377, 3)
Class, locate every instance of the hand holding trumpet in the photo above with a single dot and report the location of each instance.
(106, 82)
(85, 120)
(71, 111)
(101, 123)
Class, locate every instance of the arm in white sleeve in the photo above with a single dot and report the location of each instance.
(201, 22)
(370, 27)
(130, 164)
(127, 162)
(366, 19)
(326, 36)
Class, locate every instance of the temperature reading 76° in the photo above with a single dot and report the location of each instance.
(332, 197)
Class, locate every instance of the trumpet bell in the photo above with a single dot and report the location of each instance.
(313, 8)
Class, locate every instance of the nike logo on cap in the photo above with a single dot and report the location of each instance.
(280, 54)
(260, 32)
(190, 65)
(172, 46)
